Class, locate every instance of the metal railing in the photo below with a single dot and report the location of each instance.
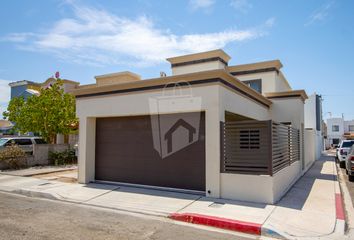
(258, 147)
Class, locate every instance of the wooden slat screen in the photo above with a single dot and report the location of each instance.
(246, 147)
(258, 147)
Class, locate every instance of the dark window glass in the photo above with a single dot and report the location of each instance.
(254, 84)
(23, 141)
(347, 144)
(40, 141)
(335, 128)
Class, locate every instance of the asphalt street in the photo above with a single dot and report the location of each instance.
(32, 218)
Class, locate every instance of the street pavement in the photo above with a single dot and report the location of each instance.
(349, 185)
(307, 210)
(27, 218)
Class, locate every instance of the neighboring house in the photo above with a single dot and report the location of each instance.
(247, 129)
(5, 127)
(25, 89)
(314, 125)
(338, 129)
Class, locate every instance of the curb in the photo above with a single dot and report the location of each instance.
(340, 213)
(224, 223)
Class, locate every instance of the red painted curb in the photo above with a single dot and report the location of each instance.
(217, 222)
(339, 207)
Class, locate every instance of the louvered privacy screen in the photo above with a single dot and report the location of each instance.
(258, 147)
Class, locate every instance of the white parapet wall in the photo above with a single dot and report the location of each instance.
(310, 147)
(243, 187)
(259, 188)
(284, 179)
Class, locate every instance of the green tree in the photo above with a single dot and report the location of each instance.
(49, 113)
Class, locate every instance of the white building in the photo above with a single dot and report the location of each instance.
(338, 129)
(314, 133)
(248, 144)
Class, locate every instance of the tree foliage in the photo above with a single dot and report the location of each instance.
(49, 113)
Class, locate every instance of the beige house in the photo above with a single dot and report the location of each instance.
(233, 132)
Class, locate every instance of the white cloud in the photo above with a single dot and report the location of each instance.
(201, 4)
(270, 22)
(4, 95)
(241, 5)
(17, 37)
(320, 14)
(97, 37)
(4, 91)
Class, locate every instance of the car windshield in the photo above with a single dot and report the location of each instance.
(347, 144)
(3, 141)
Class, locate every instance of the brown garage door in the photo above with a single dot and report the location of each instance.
(125, 153)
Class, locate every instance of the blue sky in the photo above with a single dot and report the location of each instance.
(314, 39)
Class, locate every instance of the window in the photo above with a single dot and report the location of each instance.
(23, 141)
(347, 144)
(335, 128)
(254, 84)
(40, 141)
(351, 128)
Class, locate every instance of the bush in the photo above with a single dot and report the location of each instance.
(63, 158)
(13, 156)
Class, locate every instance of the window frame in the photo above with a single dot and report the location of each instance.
(351, 128)
(333, 128)
(248, 83)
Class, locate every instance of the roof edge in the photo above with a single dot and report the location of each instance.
(288, 94)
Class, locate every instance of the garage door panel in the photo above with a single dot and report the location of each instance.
(125, 153)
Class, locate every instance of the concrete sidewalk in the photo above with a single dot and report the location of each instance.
(28, 172)
(307, 210)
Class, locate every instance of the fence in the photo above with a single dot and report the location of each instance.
(258, 147)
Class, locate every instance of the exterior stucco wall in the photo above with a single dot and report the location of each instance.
(335, 135)
(310, 147)
(284, 179)
(268, 80)
(271, 81)
(88, 109)
(282, 84)
(199, 67)
(216, 99)
(310, 112)
(258, 188)
(243, 187)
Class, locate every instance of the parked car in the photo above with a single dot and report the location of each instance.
(343, 150)
(349, 166)
(25, 143)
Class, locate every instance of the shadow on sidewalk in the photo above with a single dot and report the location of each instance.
(321, 171)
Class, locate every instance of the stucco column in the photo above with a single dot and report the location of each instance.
(86, 159)
(212, 128)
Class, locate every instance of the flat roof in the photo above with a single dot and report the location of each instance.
(218, 76)
(288, 94)
(218, 53)
(23, 82)
(275, 64)
(118, 74)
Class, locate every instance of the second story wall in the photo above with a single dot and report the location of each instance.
(335, 127)
(18, 91)
(270, 81)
